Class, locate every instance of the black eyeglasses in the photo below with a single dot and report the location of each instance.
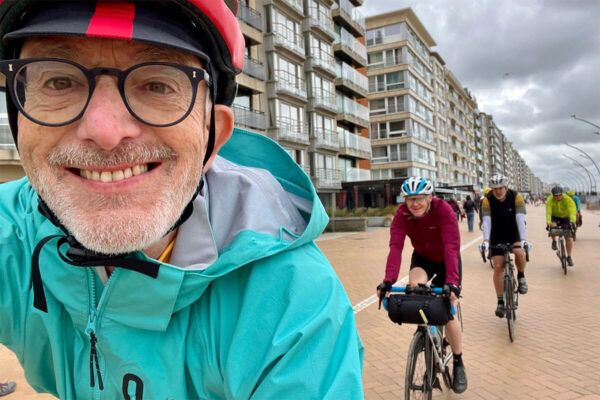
(56, 92)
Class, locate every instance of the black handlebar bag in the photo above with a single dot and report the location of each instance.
(405, 308)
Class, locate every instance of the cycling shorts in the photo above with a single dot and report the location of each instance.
(494, 251)
(564, 222)
(432, 267)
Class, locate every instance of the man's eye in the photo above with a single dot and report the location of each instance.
(59, 83)
(158, 87)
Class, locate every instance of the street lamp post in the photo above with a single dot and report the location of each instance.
(585, 155)
(587, 122)
(592, 185)
(578, 181)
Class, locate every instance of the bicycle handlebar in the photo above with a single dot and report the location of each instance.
(417, 289)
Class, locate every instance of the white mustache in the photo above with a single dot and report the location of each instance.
(125, 153)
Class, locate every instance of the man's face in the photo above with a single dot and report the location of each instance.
(500, 193)
(146, 174)
(418, 204)
(557, 197)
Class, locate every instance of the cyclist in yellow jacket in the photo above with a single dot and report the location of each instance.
(561, 211)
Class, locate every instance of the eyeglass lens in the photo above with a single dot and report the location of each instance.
(54, 92)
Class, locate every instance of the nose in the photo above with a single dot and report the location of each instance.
(106, 121)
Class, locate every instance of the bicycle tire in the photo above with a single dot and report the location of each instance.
(509, 304)
(417, 381)
(563, 256)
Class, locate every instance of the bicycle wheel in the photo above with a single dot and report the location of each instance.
(418, 380)
(509, 304)
(563, 256)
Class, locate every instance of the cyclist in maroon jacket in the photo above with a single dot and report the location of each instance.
(432, 228)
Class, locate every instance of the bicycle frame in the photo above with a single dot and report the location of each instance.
(435, 359)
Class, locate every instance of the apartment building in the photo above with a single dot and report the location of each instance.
(401, 101)
(351, 97)
(10, 165)
(439, 118)
(249, 108)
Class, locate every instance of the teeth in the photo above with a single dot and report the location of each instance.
(106, 176)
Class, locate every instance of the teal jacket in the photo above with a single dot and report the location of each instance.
(248, 308)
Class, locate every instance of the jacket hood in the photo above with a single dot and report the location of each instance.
(255, 203)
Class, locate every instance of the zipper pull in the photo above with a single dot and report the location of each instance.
(94, 361)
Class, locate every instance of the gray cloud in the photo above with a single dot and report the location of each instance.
(531, 64)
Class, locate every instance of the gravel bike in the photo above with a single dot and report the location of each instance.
(511, 290)
(561, 232)
(429, 353)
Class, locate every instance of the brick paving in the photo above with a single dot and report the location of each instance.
(557, 341)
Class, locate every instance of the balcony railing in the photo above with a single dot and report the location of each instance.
(323, 59)
(290, 83)
(327, 177)
(355, 143)
(249, 118)
(352, 78)
(351, 13)
(6, 139)
(395, 61)
(350, 107)
(356, 175)
(356, 48)
(326, 138)
(286, 37)
(296, 5)
(325, 99)
(321, 20)
(254, 68)
(292, 130)
(250, 16)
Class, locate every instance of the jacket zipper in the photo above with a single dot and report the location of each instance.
(90, 331)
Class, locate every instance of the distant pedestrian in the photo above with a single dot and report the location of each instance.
(7, 388)
(455, 207)
(469, 207)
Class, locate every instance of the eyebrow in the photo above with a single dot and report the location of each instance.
(144, 53)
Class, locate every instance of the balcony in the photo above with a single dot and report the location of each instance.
(356, 175)
(350, 80)
(249, 118)
(321, 21)
(347, 16)
(254, 68)
(286, 38)
(351, 111)
(250, 16)
(296, 5)
(387, 63)
(350, 49)
(325, 139)
(322, 60)
(354, 145)
(6, 139)
(290, 130)
(287, 83)
(327, 178)
(324, 99)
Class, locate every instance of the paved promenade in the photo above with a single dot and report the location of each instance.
(557, 343)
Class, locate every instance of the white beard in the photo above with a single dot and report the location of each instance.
(113, 223)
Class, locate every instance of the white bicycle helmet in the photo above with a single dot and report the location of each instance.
(498, 181)
(416, 185)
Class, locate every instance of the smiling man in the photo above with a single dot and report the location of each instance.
(135, 262)
(432, 227)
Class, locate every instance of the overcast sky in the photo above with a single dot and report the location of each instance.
(531, 64)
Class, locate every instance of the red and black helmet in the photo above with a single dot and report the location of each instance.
(206, 28)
